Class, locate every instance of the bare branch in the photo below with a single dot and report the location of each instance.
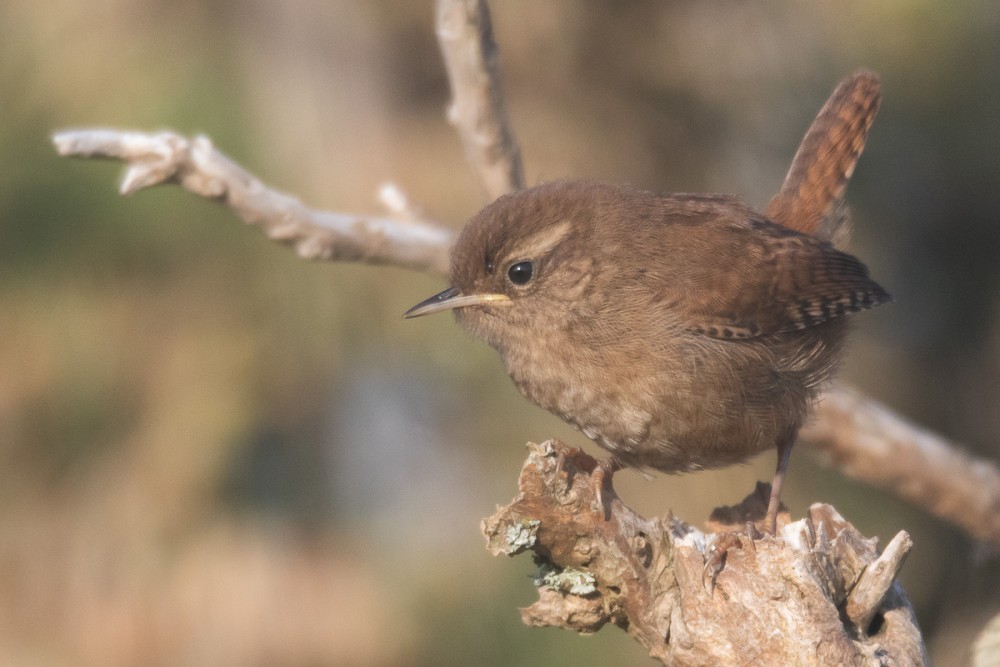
(478, 111)
(775, 601)
(867, 441)
(196, 165)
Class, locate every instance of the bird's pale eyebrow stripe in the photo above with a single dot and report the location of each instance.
(545, 240)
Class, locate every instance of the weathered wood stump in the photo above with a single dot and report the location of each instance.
(817, 593)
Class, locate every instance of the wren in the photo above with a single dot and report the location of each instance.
(680, 332)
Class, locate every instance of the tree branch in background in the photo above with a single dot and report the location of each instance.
(478, 110)
(196, 165)
(867, 441)
(776, 601)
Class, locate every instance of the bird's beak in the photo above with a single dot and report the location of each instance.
(452, 298)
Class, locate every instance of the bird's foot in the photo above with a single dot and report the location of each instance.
(600, 471)
(726, 541)
(739, 525)
(567, 452)
(600, 480)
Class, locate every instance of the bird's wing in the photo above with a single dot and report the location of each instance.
(752, 278)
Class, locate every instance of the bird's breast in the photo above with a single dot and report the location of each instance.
(689, 404)
(586, 387)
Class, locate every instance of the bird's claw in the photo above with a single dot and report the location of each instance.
(715, 561)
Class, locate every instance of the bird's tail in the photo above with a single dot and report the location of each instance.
(810, 197)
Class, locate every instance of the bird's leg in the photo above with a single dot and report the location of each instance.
(784, 453)
(715, 560)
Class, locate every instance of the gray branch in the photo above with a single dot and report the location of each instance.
(196, 165)
(478, 111)
(867, 441)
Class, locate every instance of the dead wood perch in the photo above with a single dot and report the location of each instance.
(817, 594)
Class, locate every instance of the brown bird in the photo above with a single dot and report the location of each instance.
(678, 331)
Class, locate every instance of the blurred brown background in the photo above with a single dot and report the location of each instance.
(214, 453)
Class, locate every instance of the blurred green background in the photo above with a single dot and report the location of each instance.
(215, 453)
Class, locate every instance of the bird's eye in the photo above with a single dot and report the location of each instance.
(520, 273)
